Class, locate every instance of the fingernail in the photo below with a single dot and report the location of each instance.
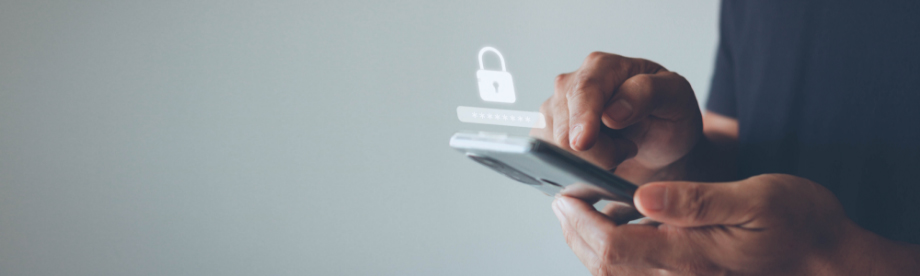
(620, 110)
(654, 198)
(575, 134)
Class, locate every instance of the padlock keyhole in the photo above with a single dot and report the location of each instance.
(496, 86)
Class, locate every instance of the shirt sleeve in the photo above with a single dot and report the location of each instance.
(722, 90)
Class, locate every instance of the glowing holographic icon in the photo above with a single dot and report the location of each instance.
(495, 86)
(504, 117)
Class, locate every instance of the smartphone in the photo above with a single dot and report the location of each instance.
(544, 166)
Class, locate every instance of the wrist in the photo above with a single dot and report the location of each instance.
(861, 252)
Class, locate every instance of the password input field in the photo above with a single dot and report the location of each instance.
(502, 117)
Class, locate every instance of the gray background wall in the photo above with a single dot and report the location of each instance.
(289, 137)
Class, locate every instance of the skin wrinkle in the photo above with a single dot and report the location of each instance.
(698, 204)
(766, 225)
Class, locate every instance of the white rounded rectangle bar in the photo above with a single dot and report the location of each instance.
(502, 117)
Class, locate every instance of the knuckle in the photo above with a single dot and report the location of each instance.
(561, 78)
(627, 65)
(696, 202)
(560, 135)
(561, 82)
(609, 249)
(648, 66)
(597, 56)
(577, 223)
(641, 82)
(585, 85)
(609, 252)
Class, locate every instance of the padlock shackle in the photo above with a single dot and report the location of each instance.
(490, 49)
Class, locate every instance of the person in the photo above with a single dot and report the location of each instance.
(805, 162)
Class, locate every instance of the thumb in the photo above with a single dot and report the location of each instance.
(688, 204)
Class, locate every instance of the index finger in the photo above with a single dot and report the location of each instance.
(594, 85)
(586, 104)
(588, 97)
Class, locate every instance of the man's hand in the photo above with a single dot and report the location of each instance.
(623, 113)
(764, 225)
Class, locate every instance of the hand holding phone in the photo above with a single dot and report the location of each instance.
(547, 168)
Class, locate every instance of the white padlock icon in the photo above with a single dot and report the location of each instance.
(495, 86)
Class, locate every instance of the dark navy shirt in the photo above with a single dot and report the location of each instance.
(829, 91)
